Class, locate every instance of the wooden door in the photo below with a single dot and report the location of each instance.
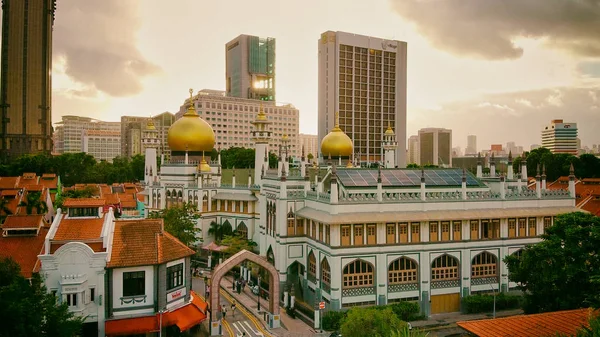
(371, 235)
(532, 226)
(456, 229)
(390, 233)
(358, 235)
(445, 231)
(512, 228)
(474, 229)
(415, 235)
(445, 303)
(433, 231)
(403, 231)
(522, 227)
(345, 235)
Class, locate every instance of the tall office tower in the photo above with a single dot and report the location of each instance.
(70, 132)
(560, 137)
(25, 82)
(364, 78)
(310, 144)
(435, 147)
(471, 145)
(250, 67)
(230, 119)
(102, 145)
(413, 150)
(132, 128)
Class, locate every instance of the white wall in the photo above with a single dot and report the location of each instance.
(117, 292)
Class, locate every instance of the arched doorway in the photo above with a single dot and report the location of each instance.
(235, 260)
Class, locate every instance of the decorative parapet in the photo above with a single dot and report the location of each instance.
(445, 284)
(484, 280)
(362, 291)
(483, 195)
(398, 288)
(556, 194)
(295, 194)
(133, 299)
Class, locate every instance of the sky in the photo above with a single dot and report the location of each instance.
(498, 69)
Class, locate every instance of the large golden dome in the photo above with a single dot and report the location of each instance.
(191, 133)
(336, 143)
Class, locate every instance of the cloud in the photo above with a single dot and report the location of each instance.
(488, 28)
(95, 42)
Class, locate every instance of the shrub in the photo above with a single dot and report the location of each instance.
(485, 303)
(406, 311)
(332, 320)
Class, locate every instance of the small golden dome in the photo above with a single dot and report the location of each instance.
(203, 166)
(150, 125)
(261, 114)
(349, 165)
(336, 143)
(284, 138)
(389, 131)
(190, 132)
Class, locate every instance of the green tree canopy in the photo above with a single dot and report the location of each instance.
(180, 221)
(33, 200)
(27, 308)
(236, 243)
(558, 273)
(361, 322)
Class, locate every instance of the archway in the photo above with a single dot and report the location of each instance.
(235, 260)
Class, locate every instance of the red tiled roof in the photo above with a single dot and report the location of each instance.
(592, 206)
(111, 199)
(83, 202)
(9, 193)
(23, 221)
(144, 242)
(545, 324)
(128, 203)
(79, 229)
(24, 250)
(9, 183)
(27, 179)
(34, 188)
(49, 180)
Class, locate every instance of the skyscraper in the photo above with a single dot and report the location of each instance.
(413, 150)
(560, 137)
(364, 78)
(471, 145)
(25, 82)
(250, 67)
(435, 147)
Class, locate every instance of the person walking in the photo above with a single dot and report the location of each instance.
(233, 307)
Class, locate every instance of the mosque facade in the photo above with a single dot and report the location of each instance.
(351, 236)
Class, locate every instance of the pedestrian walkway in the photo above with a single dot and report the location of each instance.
(291, 327)
(452, 318)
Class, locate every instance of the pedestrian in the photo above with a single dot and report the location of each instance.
(233, 306)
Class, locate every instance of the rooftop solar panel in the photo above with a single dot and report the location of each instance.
(404, 177)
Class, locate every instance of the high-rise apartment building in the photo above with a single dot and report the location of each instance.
(560, 137)
(471, 145)
(103, 145)
(25, 82)
(131, 133)
(250, 67)
(230, 119)
(70, 132)
(413, 150)
(310, 144)
(364, 78)
(435, 147)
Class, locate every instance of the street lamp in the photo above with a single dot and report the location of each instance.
(494, 292)
(258, 297)
(161, 312)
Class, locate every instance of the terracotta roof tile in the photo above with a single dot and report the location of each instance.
(545, 324)
(27, 179)
(144, 242)
(128, 203)
(49, 180)
(23, 221)
(24, 250)
(83, 202)
(9, 193)
(9, 183)
(77, 229)
(110, 199)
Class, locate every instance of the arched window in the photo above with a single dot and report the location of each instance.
(402, 271)
(484, 265)
(312, 267)
(358, 274)
(325, 275)
(242, 230)
(444, 268)
(291, 222)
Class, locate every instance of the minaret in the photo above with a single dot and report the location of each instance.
(379, 185)
(389, 145)
(285, 143)
(524, 175)
(150, 143)
(572, 181)
(509, 170)
(479, 166)
(423, 184)
(302, 164)
(543, 177)
(261, 136)
(492, 166)
(538, 184)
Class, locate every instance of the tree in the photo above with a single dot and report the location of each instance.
(310, 157)
(18, 298)
(236, 243)
(33, 200)
(406, 332)
(412, 165)
(559, 272)
(370, 322)
(180, 221)
(4, 210)
(219, 231)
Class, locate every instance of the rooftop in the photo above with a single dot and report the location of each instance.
(24, 250)
(546, 324)
(144, 242)
(23, 222)
(83, 202)
(405, 177)
(79, 229)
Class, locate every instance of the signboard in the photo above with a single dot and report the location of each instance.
(175, 294)
(321, 305)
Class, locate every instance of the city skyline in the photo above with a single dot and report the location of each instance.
(507, 93)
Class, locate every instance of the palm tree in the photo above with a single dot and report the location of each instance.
(34, 200)
(215, 231)
(4, 209)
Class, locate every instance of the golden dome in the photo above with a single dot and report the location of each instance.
(261, 114)
(190, 132)
(150, 124)
(389, 131)
(203, 166)
(336, 143)
(284, 138)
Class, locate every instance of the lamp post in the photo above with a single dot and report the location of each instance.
(494, 292)
(161, 312)
(258, 298)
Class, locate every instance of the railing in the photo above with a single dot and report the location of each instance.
(398, 288)
(133, 299)
(362, 291)
(445, 284)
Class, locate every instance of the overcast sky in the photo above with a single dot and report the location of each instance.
(498, 69)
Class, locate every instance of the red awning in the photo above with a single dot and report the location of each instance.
(131, 326)
(188, 315)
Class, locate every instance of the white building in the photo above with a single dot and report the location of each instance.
(310, 144)
(69, 132)
(103, 145)
(364, 79)
(560, 137)
(413, 150)
(230, 119)
(435, 147)
(471, 145)
(364, 236)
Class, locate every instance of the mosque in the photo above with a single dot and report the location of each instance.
(353, 236)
